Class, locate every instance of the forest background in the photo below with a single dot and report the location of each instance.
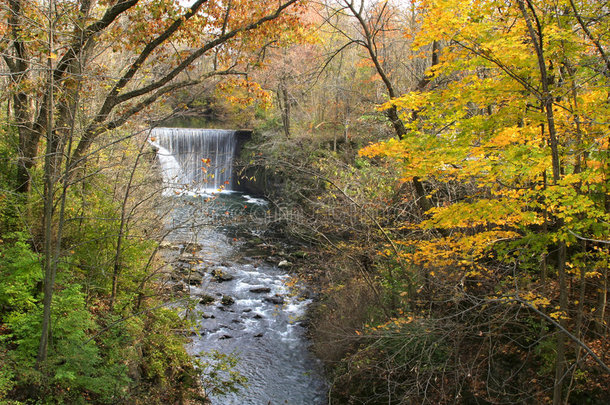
(448, 161)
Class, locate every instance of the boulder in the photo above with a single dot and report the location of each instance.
(260, 290)
(169, 245)
(275, 299)
(206, 299)
(227, 300)
(244, 260)
(194, 278)
(221, 276)
(284, 264)
(188, 259)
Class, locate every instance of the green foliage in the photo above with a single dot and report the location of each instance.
(545, 350)
(74, 359)
(160, 350)
(82, 366)
(11, 204)
(7, 376)
(19, 294)
(527, 251)
(20, 272)
(95, 238)
(75, 368)
(8, 140)
(94, 356)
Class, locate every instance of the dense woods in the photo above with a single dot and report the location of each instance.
(443, 167)
(83, 320)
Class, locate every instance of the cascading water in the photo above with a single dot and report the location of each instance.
(170, 168)
(196, 159)
(247, 306)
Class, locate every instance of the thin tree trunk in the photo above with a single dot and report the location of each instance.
(602, 301)
(392, 112)
(122, 229)
(547, 101)
(545, 231)
(49, 265)
(286, 111)
(561, 339)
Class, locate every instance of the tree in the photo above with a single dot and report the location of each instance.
(377, 24)
(79, 69)
(518, 119)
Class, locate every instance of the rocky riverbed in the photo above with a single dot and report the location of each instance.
(247, 305)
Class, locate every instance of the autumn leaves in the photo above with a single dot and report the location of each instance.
(517, 115)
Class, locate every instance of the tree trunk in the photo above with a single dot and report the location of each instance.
(286, 111)
(602, 302)
(19, 67)
(123, 228)
(50, 265)
(561, 338)
(547, 101)
(392, 113)
(51, 163)
(601, 324)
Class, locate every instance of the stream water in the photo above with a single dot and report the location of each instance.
(261, 320)
(247, 306)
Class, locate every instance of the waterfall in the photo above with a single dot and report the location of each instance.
(170, 168)
(197, 160)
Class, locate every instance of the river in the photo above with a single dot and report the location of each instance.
(248, 306)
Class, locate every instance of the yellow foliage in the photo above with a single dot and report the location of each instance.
(482, 124)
